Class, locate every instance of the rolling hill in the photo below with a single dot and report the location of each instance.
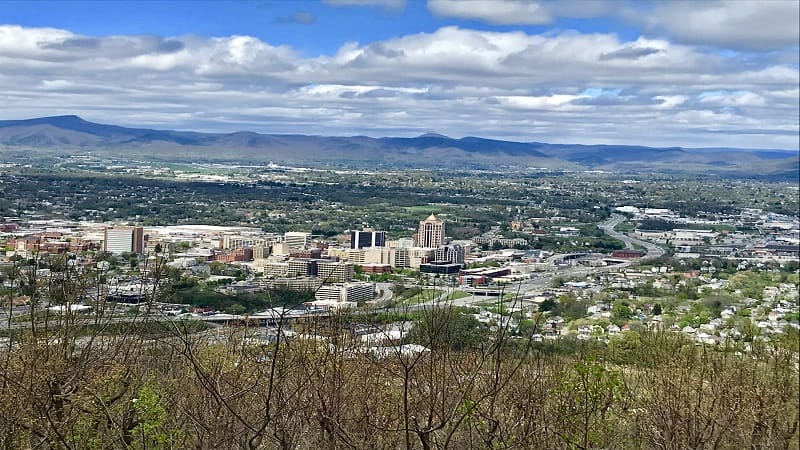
(73, 135)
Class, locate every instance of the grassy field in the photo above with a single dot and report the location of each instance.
(624, 227)
(455, 295)
(423, 296)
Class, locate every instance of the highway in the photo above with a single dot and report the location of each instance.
(653, 251)
(386, 295)
(543, 280)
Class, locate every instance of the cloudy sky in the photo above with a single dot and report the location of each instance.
(692, 74)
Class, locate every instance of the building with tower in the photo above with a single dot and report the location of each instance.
(431, 233)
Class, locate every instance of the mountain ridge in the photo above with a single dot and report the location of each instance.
(71, 133)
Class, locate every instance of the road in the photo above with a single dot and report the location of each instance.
(386, 295)
(653, 251)
(544, 280)
(89, 320)
(541, 282)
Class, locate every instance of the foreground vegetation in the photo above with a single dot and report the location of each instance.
(449, 382)
(649, 390)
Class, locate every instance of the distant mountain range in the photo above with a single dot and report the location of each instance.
(73, 135)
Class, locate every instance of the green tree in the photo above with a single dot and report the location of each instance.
(153, 430)
(235, 308)
(548, 304)
(448, 328)
(217, 268)
(621, 312)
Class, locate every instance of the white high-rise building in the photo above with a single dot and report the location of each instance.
(335, 271)
(123, 240)
(297, 239)
(405, 243)
(346, 293)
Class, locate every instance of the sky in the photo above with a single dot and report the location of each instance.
(669, 73)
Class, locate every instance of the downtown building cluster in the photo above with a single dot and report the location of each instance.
(292, 260)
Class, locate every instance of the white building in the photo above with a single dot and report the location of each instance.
(452, 253)
(336, 271)
(345, 295)
(231, 241)
(123, 240)
(297, 239)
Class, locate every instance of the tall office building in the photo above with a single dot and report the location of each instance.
(451, 254)
(124, 239)
(297, 239)
(367, 238)
(404, 243)
(335, 271)
(431, 232)
(261, 252)
(327, 270)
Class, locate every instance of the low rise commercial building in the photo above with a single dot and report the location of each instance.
(343, 295)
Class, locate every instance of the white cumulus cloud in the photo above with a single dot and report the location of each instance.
(562, 87)
(498, 12)
(745, 24)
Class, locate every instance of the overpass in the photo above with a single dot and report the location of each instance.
(575, 257)
(485, 292)
(270, 317)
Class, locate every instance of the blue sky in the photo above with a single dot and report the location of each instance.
(694, 74)
(313, 27)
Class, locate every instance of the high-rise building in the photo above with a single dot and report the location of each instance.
(420, 255)
(452, 254)
(367, 238)
(297, 239)
(124, 239)
(301, 268)
(261, 252)
(335, 271)
(327, 270)
(431, 232)
(405, 243)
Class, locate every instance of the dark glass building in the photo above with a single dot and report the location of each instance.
(367, 238)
